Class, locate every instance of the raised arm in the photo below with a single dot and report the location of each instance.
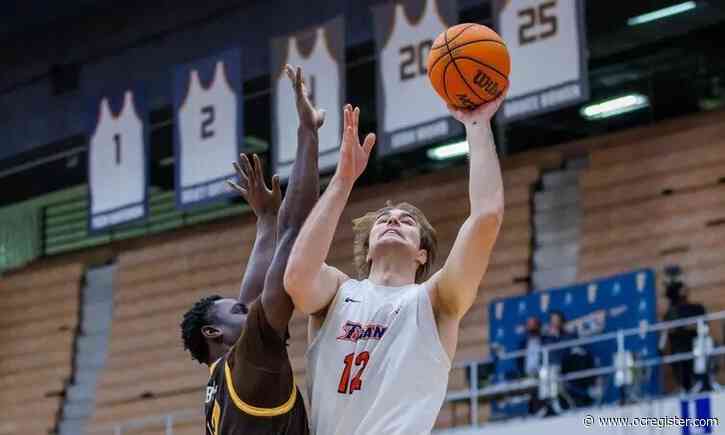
(259, 361)
(455, 286)
(265, 204)
(309, 281)
(302, 193)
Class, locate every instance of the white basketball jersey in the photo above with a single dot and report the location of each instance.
(208, 130)
(377, 365)
(409, 97)
(117, 159)
(321, 73)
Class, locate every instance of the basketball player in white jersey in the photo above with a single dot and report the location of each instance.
(381, 348)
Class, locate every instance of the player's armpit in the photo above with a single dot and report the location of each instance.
(317, 319)
(314, 296)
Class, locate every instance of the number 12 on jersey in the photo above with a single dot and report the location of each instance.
(346, 385)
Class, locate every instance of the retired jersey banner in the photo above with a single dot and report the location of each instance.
(117, 157)
(547, 41)
(320, 51)
(208, 127)
(410, 113)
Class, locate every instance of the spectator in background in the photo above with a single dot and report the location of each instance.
(569, 359)
(557, 323)
(556, 333)
(681, 339)
(530, 364)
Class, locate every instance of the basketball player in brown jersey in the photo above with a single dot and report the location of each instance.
(251, 389)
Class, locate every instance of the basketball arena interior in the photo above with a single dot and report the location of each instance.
(603, 306)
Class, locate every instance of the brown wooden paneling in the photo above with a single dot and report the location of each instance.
(631, 170)
(653, 186)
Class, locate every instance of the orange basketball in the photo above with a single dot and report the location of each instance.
(469, 65)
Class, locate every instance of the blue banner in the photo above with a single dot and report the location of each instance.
(606, 305)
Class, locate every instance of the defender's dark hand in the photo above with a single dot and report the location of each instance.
(265, 202)
(310, 116)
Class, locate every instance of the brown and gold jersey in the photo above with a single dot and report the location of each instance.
(251, 389)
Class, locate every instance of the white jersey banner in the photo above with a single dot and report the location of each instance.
(117, 159)
(320, 52)
(410, 113)
(208, 127)
(547, 41)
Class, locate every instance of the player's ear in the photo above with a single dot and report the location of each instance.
(211, 332)
(422, 256)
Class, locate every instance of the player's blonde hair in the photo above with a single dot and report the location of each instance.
(363, 225)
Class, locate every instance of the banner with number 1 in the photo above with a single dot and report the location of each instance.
(117, 158)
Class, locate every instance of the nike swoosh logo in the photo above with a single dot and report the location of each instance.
(351, 300)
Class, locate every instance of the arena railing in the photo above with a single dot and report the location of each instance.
(546, 386)
(624, 368)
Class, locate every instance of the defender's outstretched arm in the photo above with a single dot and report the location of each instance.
(309, 281)
(302, 193)
(455, 286)
(259, 360)
(265, 204)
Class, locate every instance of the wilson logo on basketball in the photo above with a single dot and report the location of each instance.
(484, 82)
(352, 331)
(468, 65)
(465, 101)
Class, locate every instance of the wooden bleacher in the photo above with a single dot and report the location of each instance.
(40, 306)
(657, 202)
